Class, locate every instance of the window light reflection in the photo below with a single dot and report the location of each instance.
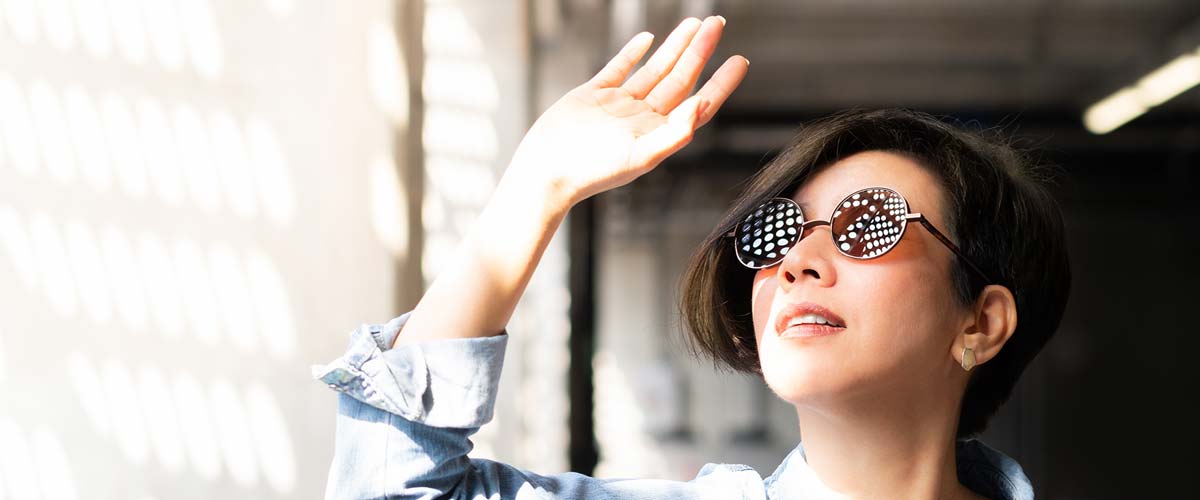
(197, 292)
(17, 122)
(386, 74)
(449, 33)
(88, 270)
(87, 134)
(196, 158)
(3, 362)
(202, 37)
(196, 424)
(17, 245)
(93, 27)
(234, 433)
(86, 380)
(51, 128)
(164, 29)
(232, 164)
(57, 19)
(462, 83)
(463, 134)
(123, 272)
(161, 152)
(162, 286)
(53, 467)
(389, 206)
(128, 422)
(121, 135)
(17, 465)
(127, 28)
(105, 243)
(58, 283)
(233, 297)
(271, 305)
(275, 451)
(271, 173)
(281, 7)
(22, 19)
(162, 422)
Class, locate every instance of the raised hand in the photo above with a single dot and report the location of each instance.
(609, 131)
(601, 135)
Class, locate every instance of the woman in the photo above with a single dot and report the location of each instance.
(873, 274)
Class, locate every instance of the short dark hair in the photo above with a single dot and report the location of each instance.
(999, 210)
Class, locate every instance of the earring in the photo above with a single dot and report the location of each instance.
(968, 358)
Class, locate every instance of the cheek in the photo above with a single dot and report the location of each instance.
(762, 296)
(909, 320)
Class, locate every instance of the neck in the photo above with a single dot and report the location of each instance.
(900, 445)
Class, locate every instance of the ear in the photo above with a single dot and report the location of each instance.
(993, 320)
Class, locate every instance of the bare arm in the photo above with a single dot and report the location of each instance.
(475, 295)
(601, 135)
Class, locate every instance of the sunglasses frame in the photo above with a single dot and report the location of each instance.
(803, 226)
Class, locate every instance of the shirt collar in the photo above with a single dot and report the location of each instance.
(981, 468)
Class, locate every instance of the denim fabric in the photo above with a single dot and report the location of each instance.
(406, 415)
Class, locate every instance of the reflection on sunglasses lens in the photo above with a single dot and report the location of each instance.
(865, 224)
(766, 234)
(869, 222)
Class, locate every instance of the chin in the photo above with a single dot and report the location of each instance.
(797, 379)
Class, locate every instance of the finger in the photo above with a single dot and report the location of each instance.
(651, 149)
(644, 80)
(676, 86)
(718, 88)
(615, 71)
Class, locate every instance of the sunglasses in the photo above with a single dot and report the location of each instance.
(866, 224)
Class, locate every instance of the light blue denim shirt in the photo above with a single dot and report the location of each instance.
(406, 415)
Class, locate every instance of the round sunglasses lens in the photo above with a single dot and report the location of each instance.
(766, 235)
(868, 223)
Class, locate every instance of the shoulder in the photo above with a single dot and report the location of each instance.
(491, 479)
(990, 472)
(732, 480)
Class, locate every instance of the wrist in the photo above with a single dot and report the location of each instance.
(551, 198)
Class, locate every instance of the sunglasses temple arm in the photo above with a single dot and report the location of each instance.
(946, 241)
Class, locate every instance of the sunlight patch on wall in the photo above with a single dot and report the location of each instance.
(386, 73)
(150, 217)
(389, 206)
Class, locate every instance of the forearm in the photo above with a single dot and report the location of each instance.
(476, 293)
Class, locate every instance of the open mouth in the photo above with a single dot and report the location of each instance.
(808, 320)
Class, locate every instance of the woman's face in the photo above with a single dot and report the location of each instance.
(898, 314)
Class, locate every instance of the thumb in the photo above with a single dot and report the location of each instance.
(651, 149)
(688, 113)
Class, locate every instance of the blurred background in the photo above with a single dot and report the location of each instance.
(199, 199)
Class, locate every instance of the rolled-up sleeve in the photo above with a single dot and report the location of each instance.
(405, 415)
(444, 383)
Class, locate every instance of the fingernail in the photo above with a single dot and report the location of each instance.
(722, 19)
(747, 61)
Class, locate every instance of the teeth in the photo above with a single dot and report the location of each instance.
(811, 319)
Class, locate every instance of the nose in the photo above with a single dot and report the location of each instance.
(810, 259)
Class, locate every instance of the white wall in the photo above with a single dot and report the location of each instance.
(187, 192)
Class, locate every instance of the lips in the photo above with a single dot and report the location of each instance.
(787, 323)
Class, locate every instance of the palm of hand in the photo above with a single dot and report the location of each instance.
(604, 134)
(598, 130)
